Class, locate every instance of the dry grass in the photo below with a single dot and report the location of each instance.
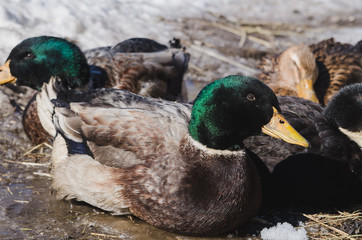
(328, 226)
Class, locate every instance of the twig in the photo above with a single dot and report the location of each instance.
(242, 39)
(43, 174)
(197, 69)
(36, 147)
(28, 163)
(223, 58)
(240, 33)
(243, 35)
(104, 235)
(26, 229)
(260, 41)
(21, 201)
(10, 191)
(83, 231)
(269, 32)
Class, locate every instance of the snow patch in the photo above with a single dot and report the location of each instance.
(283, 231)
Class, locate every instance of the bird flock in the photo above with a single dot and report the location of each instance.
(125, 141)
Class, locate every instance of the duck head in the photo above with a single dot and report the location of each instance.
(298, 70)
(345, 112)
(229, 110)
(35, 60)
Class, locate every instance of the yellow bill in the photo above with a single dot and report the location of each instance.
(279, 128)
(305, 90)
(5, 74)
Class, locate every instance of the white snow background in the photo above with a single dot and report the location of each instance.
(94, 23)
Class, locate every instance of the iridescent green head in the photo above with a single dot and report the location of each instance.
(230, 109)
(33, 61)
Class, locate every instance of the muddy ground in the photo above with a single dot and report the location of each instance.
(218, 47)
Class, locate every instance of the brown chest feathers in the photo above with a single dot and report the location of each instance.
(201, 193)
(32, 125)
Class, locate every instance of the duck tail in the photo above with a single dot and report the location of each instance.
(175, 43)
(180, 61)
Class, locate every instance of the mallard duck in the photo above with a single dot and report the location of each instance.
(179, 167)
(334, 132)
(138, 65)
(314, 72)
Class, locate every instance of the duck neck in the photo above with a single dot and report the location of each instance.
(204, 150)
(45, 106)
(354, 136)
(76, 82)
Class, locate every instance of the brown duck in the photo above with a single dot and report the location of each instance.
(314, 72)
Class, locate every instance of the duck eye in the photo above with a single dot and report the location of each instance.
(281, 122)
(250, 97)
(29, 56)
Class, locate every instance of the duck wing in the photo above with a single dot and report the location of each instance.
(112, 144)
(142, 66)
(118, 125)
(268, 67)
(139, 45)
(339, 64)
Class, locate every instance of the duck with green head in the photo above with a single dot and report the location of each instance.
(179, 167)
(49, 64)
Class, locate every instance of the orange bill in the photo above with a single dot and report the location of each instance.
(5, 74)
(305, 90)
(278, 127)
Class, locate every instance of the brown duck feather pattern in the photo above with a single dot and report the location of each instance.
(31, 121)
(338, 65)
(155, 74)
